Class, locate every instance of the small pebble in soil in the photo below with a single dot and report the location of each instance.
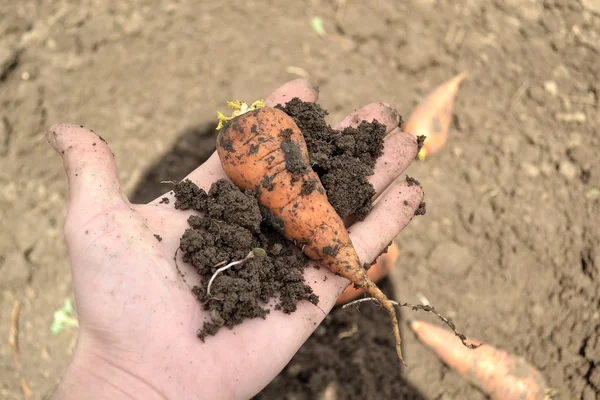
(568, 169)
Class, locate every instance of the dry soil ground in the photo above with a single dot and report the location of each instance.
(510, 244)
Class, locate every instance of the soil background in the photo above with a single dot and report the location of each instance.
(509, 247)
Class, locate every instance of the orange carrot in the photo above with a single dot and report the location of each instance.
(433, 115)
(378, 271)
(499, 374)
(262, 149)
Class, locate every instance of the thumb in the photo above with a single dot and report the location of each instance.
(91, 170)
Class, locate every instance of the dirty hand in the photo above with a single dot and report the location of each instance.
(138, 319)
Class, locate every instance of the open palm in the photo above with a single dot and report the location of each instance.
(138, 319)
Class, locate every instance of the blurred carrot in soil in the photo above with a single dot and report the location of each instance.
(497, 373)
(433, 115)
(378, 271)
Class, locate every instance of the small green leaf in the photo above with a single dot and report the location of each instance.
(317, 25)
(68, 307)
(64, 317)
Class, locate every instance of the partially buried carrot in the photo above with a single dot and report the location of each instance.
(500, 375)
(433, 115)
(262, 149)
(378, 271)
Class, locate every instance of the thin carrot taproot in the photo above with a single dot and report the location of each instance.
(433, 115)
(501, 375)
(378, 271)
(262, 149)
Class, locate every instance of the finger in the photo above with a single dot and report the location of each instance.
(211, 170)
(90, 166)
(302, 88)
(390, 215)
(382, 112)
(400, 149)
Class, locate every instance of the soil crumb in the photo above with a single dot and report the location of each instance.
(343, 159)
(412, 181)
(231, 226)
(420, 142)
(422, 209)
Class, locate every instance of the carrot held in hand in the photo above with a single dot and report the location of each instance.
(262, 149)
(378, 271)
(499, 374)
(433, 115)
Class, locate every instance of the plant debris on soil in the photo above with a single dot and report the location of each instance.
(233, 224)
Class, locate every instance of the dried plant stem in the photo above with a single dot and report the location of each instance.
(25, 387)
(421, 307)
(13, 339)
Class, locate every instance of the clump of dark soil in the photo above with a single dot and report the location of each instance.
(343, 159)
(233, 224)
(230, 228)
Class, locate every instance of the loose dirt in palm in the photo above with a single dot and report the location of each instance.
(231, 227)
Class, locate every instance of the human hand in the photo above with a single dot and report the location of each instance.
(138, 319)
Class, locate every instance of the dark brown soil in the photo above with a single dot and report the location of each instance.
(233, 225)
(343, 160)
(351, 354)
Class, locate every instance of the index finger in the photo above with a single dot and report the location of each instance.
(301, 88)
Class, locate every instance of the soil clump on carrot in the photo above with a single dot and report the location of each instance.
(233, 223)
(343, 159)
